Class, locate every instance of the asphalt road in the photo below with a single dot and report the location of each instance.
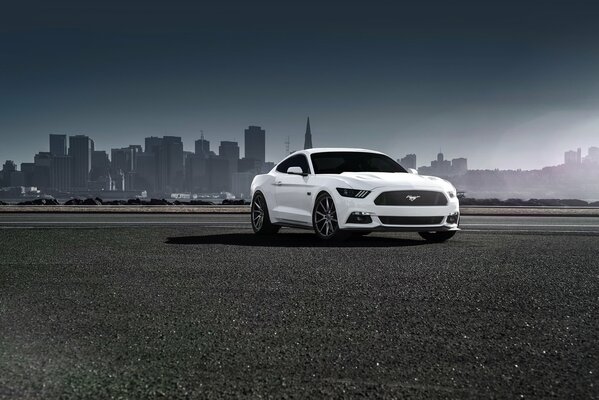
(186, 306)
(471, 223)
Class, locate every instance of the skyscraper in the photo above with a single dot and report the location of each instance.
(409, 161)
(80, 149)
(196, 178)
(169, 163)
(308, 136)
(571, 157)
(229, 150)
(100, 165)
(255, 138)
(459, 165)
(58, 145)
(202, 146)
(219, 174)
(122, 159)
(176, 173)
(60, 173)
(41, 170)
(152, 143)
(146, 171)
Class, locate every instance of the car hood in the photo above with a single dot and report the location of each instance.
(373, 180)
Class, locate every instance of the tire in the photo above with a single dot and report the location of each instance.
(437, 237)
(324, 219)
(260, 218)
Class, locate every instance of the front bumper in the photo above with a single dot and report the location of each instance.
(347, 206)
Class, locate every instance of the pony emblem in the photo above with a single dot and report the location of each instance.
(411, 197)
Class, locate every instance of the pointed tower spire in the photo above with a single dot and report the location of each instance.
(308, 137)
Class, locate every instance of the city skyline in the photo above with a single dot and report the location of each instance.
(510, 83)
(297, 144)
(74, 166)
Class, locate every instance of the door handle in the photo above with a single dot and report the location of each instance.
(278, 183)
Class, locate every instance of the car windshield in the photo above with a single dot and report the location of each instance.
(350, 161)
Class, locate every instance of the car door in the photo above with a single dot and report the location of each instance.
(293, 192)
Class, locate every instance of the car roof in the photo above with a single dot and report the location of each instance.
(335, 149)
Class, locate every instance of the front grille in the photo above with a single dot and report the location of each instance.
(411, 198)
(411, 220)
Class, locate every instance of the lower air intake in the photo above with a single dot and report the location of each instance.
(411, 220)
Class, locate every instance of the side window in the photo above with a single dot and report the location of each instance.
(295, 161)
(282, 167)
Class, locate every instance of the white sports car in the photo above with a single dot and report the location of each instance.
(338, 192)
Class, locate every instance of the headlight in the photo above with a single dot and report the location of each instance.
(358, 194)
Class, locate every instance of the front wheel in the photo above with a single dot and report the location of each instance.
(260, 219)
(437, 237)
(324, 219)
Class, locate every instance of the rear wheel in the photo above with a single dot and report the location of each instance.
(260, 219)
(437, 237)
(324, 219)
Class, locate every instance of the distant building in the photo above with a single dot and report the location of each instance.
(219, 174)
(267, 167)
(118, 181)
(80, 149)
(124, 159)
(241, 183)
(255, 143)
(308, 136)
(202, 147)
(145, 178)
(28, 170)
(230, 151)
(440, 163)
(168, 163)
(58, 145)
(42, 162)
(11, 177)
(249, 165)
(443, 167)
(409, 161)
(592, 156)
(60, 173)
(572, 157)
(196, 174)
(121, 159)
(459, 166)
(100, 165)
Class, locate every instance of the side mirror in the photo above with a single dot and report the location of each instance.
(295, 171)
(413, 171)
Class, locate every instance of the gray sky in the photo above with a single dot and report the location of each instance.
(505, 84)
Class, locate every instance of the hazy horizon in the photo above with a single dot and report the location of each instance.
(507, 85)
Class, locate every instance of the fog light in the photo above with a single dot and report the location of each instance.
(453, 218)
(359, 217)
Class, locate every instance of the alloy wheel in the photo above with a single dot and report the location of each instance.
(325, 220)
(258, 212)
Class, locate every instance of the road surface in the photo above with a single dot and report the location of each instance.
(188, 306)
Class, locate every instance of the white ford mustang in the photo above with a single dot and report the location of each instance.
(338, 192)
